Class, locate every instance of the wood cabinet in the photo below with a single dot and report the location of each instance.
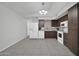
(41, 24)
(54, 23)
(50, 34)
(64, 18)
(65, 38)
(73, 28)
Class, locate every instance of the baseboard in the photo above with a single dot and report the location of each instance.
(27, 37)
(35, 38)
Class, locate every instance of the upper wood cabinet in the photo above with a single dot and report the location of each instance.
(64, 18)
(41, 24)
(54, 23)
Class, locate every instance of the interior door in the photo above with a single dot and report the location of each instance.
(33, 31)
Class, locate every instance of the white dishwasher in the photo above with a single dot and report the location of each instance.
(41, 34)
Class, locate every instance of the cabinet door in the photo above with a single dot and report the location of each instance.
(72, 42)
(50, 34)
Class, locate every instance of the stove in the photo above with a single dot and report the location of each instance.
(60, 37)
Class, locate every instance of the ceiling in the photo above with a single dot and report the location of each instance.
(31, 9)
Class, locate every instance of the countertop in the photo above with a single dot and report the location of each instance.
(48, 29)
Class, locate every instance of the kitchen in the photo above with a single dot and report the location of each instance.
(48, 29)
(64, 29)
(51, 29)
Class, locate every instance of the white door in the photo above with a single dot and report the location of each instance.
(33, 30)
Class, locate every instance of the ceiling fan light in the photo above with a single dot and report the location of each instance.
(43, 12)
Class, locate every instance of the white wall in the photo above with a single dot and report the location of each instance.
(12, 27)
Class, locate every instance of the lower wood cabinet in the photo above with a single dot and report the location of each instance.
(50, 34)
(65, 39)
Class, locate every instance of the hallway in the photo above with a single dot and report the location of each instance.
(46, 47)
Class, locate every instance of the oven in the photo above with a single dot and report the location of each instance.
(60, 36)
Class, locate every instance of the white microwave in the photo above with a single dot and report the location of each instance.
(64, 24)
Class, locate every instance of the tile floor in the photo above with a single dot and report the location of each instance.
(45, 47)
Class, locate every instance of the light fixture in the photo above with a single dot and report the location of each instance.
(43, 12)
